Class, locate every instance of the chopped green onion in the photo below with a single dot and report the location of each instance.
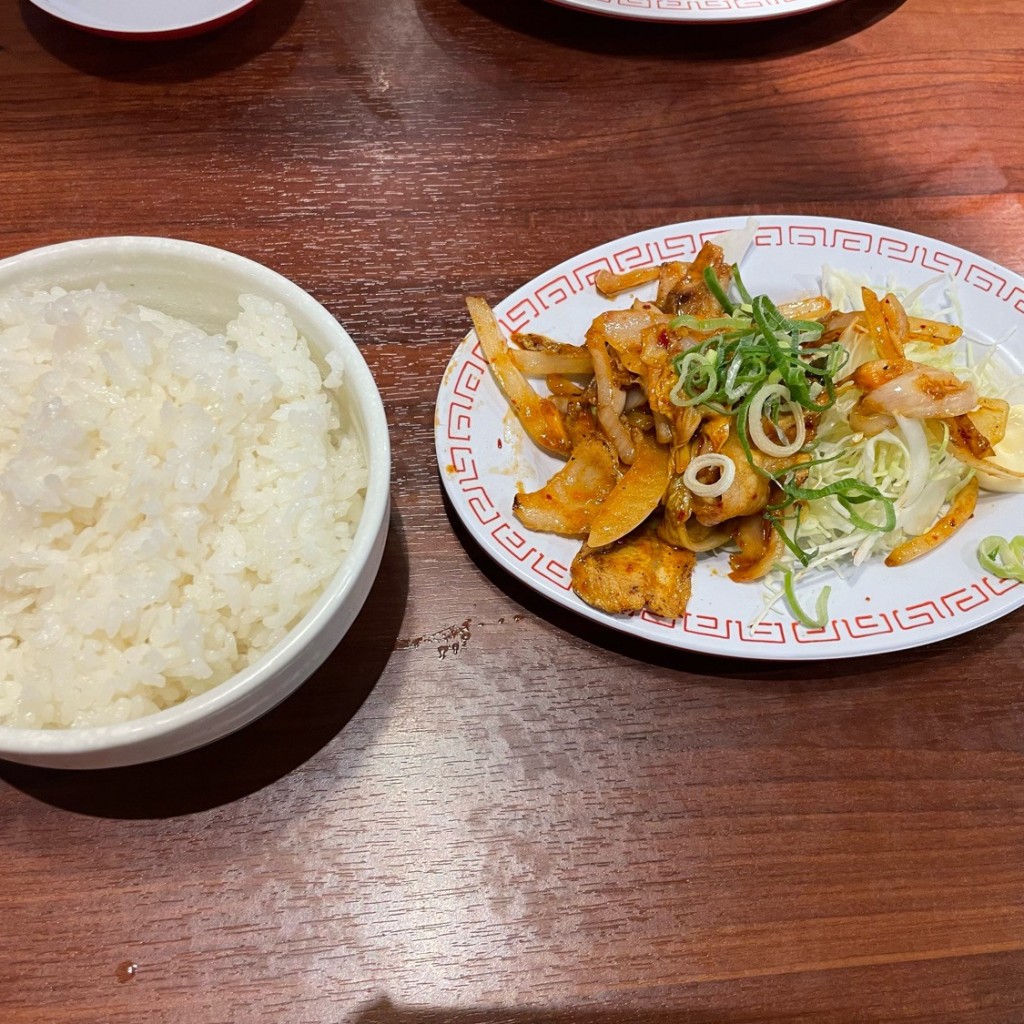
(698, 379)
(740, 287)
(716, 289)
(800, 554)
(847, 493)
(820, 618)
(717, 323)
(1003, 558)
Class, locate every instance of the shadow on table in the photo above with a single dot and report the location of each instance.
(163, 60)
(263, 751)
(580, 30)
(789, 676)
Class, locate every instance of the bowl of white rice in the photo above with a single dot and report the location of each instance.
(194, 496)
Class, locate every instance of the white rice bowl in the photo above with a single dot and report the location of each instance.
(184, 483)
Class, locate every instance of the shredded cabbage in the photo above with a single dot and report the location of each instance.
(915, 471)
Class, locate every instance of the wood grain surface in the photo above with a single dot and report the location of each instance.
(483, 810)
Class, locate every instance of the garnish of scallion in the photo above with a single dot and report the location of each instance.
(820, 618)
(1003, 558)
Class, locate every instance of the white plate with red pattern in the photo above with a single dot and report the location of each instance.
(484, 455)
(136, 19)
(696, 10)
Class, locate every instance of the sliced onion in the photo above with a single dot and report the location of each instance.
(610, 401)
(924, 392)
(635, 397)
(662, 428)
(869, 423)
(712, 460)
(755, 428)
(736, 242)
(916, 442)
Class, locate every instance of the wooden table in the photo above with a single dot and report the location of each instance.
(483, 809)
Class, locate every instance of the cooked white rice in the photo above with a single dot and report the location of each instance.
(171, 502)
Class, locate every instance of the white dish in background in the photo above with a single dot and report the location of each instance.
(202, 284)
(483, 452)
(696, 10)
(130, 19)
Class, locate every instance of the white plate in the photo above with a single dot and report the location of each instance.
(136, 19)
(696, 10)
(483, 453)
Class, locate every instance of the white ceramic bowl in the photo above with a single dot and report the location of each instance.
(130, 19)
(202, 284)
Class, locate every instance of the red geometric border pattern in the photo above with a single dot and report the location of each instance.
(552, 292)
